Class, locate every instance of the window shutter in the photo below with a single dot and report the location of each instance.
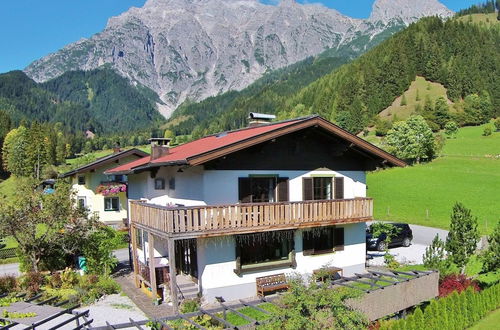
(338, 238)
(244, 191)
(282, 190)
(339, 187)
(307, 189)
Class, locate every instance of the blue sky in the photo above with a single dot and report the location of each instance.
(30, 29)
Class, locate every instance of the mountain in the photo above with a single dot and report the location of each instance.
(460, 54)
(99, 100)
(193, 49)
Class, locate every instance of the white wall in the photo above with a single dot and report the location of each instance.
(216, 263)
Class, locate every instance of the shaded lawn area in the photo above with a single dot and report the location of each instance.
(491, 321)
(425, 194)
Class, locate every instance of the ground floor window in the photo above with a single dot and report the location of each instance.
(322, 240)
(82, 202)
(111, 204)
(268, 249)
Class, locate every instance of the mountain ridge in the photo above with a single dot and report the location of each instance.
(230, 44)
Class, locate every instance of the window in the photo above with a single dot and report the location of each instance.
(171, 184)
(111, 204)
(159, 184)
(82, 202)
(264, 250)
(320, 188)
(81, 179)
(263, 189)
(119, 178)
(323, 240)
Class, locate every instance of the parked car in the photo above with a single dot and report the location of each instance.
(402, 238)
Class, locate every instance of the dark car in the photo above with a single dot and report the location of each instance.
(402, 238)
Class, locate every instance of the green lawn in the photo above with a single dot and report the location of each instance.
(424, 194)
(481, 19)
(491, 321)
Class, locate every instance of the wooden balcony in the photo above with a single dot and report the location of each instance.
(207, 221)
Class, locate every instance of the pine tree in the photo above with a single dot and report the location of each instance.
(417, 97)
(463, 236)
(403, 100)
(434, 256)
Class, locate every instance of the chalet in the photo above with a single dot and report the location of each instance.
(104, 195)
(227, 209)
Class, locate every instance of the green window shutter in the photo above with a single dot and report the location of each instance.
(339, 187)
(307, 189)
(282, 189)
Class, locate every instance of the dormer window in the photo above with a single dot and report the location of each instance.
(81, 180)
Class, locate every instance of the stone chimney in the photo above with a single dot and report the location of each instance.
(159, 147)
(258, 119)
(117, 148)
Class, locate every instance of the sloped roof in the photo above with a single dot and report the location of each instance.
(213, 146)
(106, 160)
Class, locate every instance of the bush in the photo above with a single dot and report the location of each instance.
(382, 127)
(456, 283)
(190, 305)
(31, 282)
(497, 124)
(8, 283)
(91, 290)
(69, 278)
(487, 131)
(99, 251)
(450, 129)
(54, 281)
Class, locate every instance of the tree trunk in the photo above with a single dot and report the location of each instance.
(34, 262)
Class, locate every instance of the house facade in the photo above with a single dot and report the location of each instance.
(286, 197)
(104, 195)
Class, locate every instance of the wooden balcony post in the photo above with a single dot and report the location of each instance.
(135, 264)
(173, 273)
(152, 270)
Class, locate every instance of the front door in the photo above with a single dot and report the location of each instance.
(186, 261)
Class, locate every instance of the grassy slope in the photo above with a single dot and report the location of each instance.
(425, 88)
(465, 175)
(491, 321)
(486, 19)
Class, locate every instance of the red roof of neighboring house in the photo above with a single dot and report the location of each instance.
(231, 141)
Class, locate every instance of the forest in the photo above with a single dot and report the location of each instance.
(462, 56)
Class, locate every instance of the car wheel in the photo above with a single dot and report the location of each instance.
(381, 246)
(406, 242)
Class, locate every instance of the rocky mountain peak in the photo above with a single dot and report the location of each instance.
(407, 10)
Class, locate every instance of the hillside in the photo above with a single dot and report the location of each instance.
(462, 57)
(99, 100)
(424, 194)
(192, 49)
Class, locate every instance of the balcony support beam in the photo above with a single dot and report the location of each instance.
(135, 264)
(152, 269)
(174, 294)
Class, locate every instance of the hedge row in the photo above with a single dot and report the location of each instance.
(456, 311)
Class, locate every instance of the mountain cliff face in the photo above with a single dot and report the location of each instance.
(193, 49)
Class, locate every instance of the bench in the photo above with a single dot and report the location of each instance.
(332, 273)
(271, 283)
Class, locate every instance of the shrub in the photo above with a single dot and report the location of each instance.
(497, 124)
(69, 278)
(8, 283)
(450, 129)
(190, 305)
(54, 281)
(491, 256)
(487, 131)
(382, 127)
(456, 283)
(31, 282)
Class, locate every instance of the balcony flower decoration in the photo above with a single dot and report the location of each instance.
(111, 189)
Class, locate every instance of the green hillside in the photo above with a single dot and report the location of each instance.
(99, 100)
(424, 194)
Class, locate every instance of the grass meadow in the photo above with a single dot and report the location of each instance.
(424, 194)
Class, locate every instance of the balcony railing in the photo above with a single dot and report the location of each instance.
(244, 218)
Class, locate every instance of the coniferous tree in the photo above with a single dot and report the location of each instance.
(491, 256)
(463, 236)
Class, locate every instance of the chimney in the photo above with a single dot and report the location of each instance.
(159, 147)
(259, 119)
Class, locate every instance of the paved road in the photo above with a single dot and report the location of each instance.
(13, 269)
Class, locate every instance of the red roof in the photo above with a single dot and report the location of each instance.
(209, 143)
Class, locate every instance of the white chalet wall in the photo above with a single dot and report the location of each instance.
(216, 264)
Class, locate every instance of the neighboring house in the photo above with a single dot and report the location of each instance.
(225, 209)
(104, 195)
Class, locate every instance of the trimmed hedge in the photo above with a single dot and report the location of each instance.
(456, 311)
